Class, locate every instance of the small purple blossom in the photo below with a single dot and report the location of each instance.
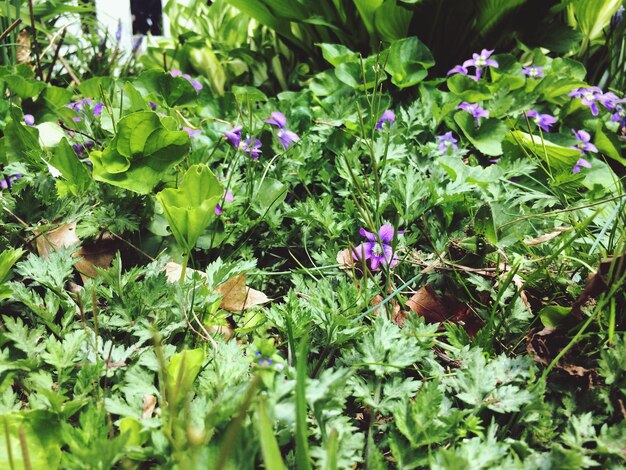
(388, 116)
(481, 60)
(278, 119)
(252, 146)
(80, 104)
(579, 163)
(228, 197)
(194, 83)
(79, 149)
(377, 248)
(544, 121)
(6, 182)
(287, 138)
(97, 109)
(137, 43)
(153, 106)
(534, 71)
(192, 132)
(447, 141)
(29, 119)
(476, 111)
(458, 69)
(118, 32)
(609, 100)
(589, 97)
(619, 113)
(234, 136)
(584, 144)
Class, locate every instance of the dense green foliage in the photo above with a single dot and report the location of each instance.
(438, 261)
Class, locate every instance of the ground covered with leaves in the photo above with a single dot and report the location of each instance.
(378, 270)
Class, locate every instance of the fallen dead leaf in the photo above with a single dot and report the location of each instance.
(426, 303)
(397, 315)
(236, 295)
(149, 403)
(546, 236)
(98, 253)
(344, 259)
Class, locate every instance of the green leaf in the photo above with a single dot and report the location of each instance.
(556, 156)
(608, 143)
(269, 447)
(302, 447)
(74, 173)
(189, 208)
(174, 91)
(467, 89)
(484, 224)
(392, 21)
(93, 87)
(182, 371)
(22, 142)
(7, 259)
(24, 87)
(140, 154)
(488, 137)
(41, 435)
(336, 54)
(271, 193)
(408, 62)
(554, 315)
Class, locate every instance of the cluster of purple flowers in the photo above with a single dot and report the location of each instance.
(252, 145)
(377, 249)
(285, 136)
(478, 61)
(79, 149)
(476, 111)
(80, 105)
(591, 96)
(533, 71)
(194, 83)
(543, 121)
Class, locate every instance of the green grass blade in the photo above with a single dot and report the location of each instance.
(303, 461)
(269, 445)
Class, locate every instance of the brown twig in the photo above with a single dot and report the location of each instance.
(56, 55)
(11, 27)
(35, 43)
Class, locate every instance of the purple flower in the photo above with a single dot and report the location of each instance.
(194, 83)
(79, 149)
(118, 32)
(387, 116)
(458, 69)
(533, 71)
(252, 147)
(609, 100)
(584, 144)
(619, 113)
(97, 109)
(377, 248)
(287, 138)
(481, 60)
(544, 121)
(446, 141)
(29, 119)
(278, 119)
(228, 197)
(233, 136)
(476, 111)
(136, 43)
(80, 104)
(579, 163)
(153, 106)
(589, 97)
(192, 132)
(5, 183)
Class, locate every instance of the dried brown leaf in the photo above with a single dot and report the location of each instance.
(237, 296)
(546, 236)
(149, 403)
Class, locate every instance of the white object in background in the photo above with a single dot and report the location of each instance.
(113, 13)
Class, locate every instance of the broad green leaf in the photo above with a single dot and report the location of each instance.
(484, 224)
(391, 21)
(556, 156)
(140, 154)
(553, 316)
(467, 89)
(182, 371)
(408, 62)
(190, 207)
(592, 16)
(24, 87)
(336, 54)
(608, 143)
(94, 87)
(271, 194)
(366, 9)
(490, 12)
(245, 93)
(174, 91)
(7, 259)
(74, 173)
(22, 142)
(41, 434)
(488, 137)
